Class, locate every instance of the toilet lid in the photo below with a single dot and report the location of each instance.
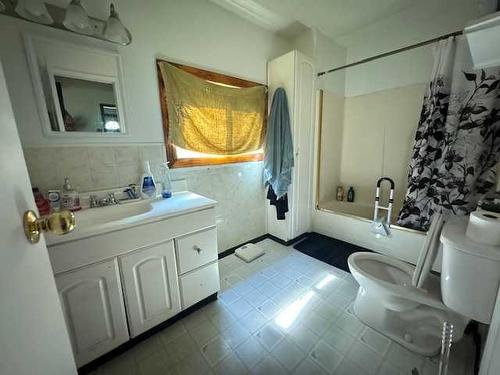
(453, 235)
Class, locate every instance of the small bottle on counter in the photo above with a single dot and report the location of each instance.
(41, 203)
(70, 199)
(350, 194)
(54, 199)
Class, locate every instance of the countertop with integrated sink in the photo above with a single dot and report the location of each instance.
(95, 221)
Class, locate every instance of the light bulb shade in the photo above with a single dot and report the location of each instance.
(34, 10)
(114, 30)
(76, 19)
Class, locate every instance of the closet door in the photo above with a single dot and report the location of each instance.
(303, 143)
(92, 303)
(151, 286)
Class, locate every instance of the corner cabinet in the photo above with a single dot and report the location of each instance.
(295, 73)
(116, 285)
(151, 287)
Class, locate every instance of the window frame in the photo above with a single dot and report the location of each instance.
(174, 161)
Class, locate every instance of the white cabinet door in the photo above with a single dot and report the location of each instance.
(93, 307)
(151, 286)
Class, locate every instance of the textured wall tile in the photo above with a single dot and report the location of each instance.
(237, 188)
(104, 177)
(100, 156)
(126, 155)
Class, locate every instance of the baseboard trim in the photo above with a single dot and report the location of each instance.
(231, 250)
(85, 369)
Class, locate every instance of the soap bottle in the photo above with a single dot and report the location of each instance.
(166, 183)
(350, 194)
(69, 198)
(42, 204)
(147, 183)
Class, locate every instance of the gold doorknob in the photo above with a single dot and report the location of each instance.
(60, 222)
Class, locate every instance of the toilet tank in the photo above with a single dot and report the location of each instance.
(470, 273)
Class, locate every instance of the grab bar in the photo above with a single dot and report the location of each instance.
(387, 208)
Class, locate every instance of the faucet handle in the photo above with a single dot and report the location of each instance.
(134, 188)
(93, 201)
(112, 199)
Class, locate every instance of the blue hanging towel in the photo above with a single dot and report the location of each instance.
(278, 162)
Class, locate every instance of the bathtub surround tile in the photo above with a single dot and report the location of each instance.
(214, 340)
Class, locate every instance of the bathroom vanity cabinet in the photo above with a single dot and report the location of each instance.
(117, 283)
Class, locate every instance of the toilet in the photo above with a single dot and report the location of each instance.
(389, 302)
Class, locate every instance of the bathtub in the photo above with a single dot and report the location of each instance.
(351, 222)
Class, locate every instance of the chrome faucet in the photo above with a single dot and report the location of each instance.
(132, 191)
(110, 200)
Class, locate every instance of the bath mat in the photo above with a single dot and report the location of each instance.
(329, 250)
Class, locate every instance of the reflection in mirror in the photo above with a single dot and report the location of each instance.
(85, 106)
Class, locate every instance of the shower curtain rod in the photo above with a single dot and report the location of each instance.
(385, 54)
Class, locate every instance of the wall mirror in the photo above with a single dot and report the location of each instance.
(79, 89)
(83, 104)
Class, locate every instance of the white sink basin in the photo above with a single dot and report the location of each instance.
(103, 215)
(97, 221)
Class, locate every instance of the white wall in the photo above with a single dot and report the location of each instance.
(424, 21)
(195, 32)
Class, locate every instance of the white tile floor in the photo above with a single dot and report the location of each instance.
(283, 313)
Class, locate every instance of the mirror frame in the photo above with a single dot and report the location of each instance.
(40, 94)
(55, 71)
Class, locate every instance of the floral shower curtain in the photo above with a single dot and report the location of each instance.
(457, 142)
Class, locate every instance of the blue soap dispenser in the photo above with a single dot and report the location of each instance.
(147, 183)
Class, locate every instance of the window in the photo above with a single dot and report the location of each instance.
(204, 125)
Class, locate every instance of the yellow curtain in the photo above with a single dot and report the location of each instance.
(210, 118)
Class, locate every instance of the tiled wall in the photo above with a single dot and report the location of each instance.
(237, 187)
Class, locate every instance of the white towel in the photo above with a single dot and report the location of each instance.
(429, 251)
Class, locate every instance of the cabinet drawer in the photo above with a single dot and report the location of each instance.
(199, 284)
(196, 250)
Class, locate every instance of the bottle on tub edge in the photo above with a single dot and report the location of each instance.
(350, 194)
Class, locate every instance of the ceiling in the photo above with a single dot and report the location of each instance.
(332, 17)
